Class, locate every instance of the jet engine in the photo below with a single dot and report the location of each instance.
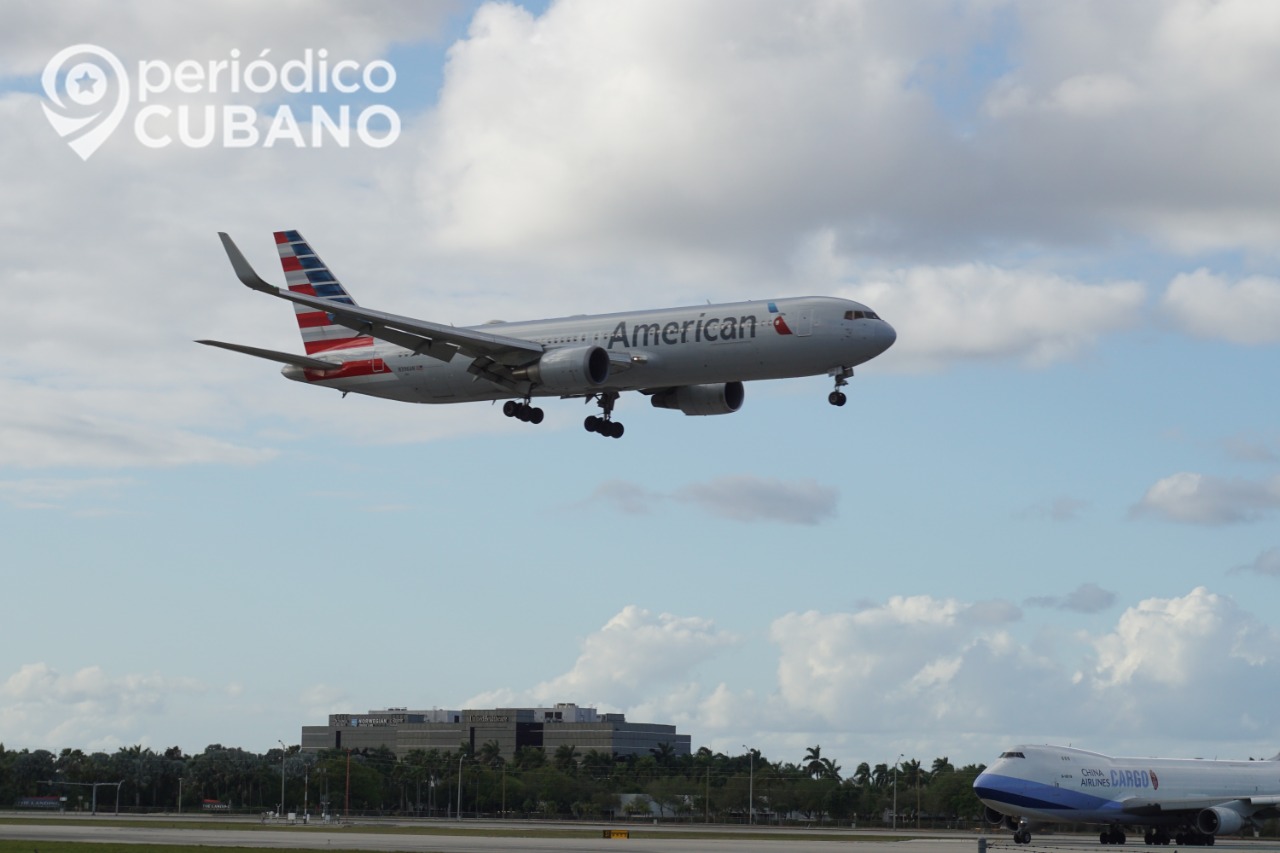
(1219, 820)
(993, 817)
(722, 399)
(568, 369)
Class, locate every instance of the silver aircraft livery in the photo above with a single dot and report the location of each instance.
(691, 359)
(1194, 799)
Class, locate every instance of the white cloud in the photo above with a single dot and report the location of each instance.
(673, 128)
(910, 653)
(1205, 499)
(976, 311)
(38, 704)
(1178, 95)
(1196, 642)
(964, 673)
(637, 653)
(1211, 306)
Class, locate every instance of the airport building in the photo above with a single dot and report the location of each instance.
(402, 730)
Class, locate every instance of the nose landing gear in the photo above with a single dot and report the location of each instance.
(837, 397)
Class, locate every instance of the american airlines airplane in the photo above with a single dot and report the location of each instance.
(691, 359)
(1196, 799)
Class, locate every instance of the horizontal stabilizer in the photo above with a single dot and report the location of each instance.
(273, 355)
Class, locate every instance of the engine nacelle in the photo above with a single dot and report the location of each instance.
(568, 369)
(1219, 820)
(993, 817)
(722, 399)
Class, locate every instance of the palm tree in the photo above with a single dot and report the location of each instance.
(596, 764)
(830, 770)
(664, 753)
(566, 758)
(529, 758)
(813, 761)
(490, 754)
(881, 776)
(863, 774)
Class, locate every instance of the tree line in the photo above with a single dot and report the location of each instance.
(566, 783)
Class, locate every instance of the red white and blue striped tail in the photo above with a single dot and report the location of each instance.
(304, 272)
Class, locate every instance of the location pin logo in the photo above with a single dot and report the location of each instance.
(89, 91)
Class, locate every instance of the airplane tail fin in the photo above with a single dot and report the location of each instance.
(304, 272)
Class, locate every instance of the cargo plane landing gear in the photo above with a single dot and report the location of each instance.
(522, 411)
(605, 425)
(837, 397)
(1114, 835)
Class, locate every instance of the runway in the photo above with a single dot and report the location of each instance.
(491, 838)
(488, 838)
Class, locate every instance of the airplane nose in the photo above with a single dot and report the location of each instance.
(886, 336)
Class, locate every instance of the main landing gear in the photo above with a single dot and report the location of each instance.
(1157, 836)
(837, 397)
(1193, 838)
(1022, 836)
(522, 412)
(1113, 835)
(605, 425)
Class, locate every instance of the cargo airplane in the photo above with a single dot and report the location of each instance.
(1195, 799)
(691, 359)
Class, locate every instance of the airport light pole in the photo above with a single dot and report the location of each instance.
(461, 758)
(282, 752)
(751, 784)
(895, 789)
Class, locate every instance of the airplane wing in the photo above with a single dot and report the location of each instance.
(493, 355)
(1147, 807)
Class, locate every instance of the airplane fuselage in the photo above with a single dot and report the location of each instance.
(773, 339)
(1055, 784)
(694, 359)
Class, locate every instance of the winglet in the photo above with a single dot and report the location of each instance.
(244, 271)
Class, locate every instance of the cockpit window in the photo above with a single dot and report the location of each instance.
(861, 315)
(1012, 755)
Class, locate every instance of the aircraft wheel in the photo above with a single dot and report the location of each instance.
(617, 430)
(591, 423)
(510, 408)
(837, 398)
(1104, 837)
(536, 415)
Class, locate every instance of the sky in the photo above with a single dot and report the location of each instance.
(1050, 513)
